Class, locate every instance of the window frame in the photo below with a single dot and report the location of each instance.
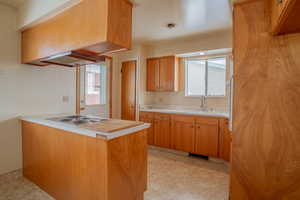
(100, 89)
(206, 77)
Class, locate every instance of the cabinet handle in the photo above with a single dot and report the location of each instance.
(279, 1)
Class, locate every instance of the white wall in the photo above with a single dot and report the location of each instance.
(209, 41)
(35, 11)
(25, 90)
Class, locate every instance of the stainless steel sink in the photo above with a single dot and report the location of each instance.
(77, 119)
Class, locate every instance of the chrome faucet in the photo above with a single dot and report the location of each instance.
(203, 101)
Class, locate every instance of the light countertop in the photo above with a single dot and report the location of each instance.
(184, 111)
(44, 120)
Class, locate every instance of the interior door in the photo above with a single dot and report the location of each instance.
(128, 97)
(95, 89)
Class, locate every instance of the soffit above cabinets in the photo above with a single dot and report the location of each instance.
(192, 17)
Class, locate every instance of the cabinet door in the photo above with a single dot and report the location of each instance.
(153, 74)
(224, 140)
(168, 73)
(183, 136)
(162, 133)
(207, 140)
(150, 131)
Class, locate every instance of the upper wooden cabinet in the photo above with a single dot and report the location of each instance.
(162, 74)
(97, 26)
(285, 16)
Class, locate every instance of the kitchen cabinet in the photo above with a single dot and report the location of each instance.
(208, 136)
(285, 16)
(68, 165)
(153, 74)
(183, 133)
(162, 137)
(148, 118)
(93, 26)
(224, 140)
(162, 74)
(207, 139)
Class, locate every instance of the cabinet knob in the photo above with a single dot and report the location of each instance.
(279, 1)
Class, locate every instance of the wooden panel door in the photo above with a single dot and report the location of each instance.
(128, 98)
(162, 125)
(207, 140)
(183, 136)
(153, 74)
(167, 76)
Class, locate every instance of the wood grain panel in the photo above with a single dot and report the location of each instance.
(162, 130)
(63, 164)
(168, 73)
(148, 118)
(70, 166)
(95, 25)
(265, 149)
(207, 140)
(224, 140)
(128, 93)
(127, 167)
(153, 74)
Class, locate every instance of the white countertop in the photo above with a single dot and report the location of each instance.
(43, 120)
(185, 112)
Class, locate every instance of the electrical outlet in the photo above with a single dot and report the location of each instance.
(65, 99)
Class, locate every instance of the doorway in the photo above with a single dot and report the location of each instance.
(94, 89)
(128, 91)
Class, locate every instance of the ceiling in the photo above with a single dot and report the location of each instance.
(14, 3)
(192, 17)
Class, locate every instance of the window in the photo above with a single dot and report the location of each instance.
(95, 84)
(205, 77)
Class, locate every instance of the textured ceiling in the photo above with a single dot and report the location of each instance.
(192, 17)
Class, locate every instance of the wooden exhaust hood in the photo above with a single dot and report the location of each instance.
(92, 26)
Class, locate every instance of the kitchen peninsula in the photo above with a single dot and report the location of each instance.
(79, 157)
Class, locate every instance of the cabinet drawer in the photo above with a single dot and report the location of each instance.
(207, 120)
(183, 118)
(161, 116)
(147, 115)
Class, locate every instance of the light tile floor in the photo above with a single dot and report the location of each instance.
(172, 176)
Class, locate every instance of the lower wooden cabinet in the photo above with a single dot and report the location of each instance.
(207, 140)
(183, 133)
(162, 137)
(148, 118)
(208, 136)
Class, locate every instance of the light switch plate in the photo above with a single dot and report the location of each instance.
(65, 99)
